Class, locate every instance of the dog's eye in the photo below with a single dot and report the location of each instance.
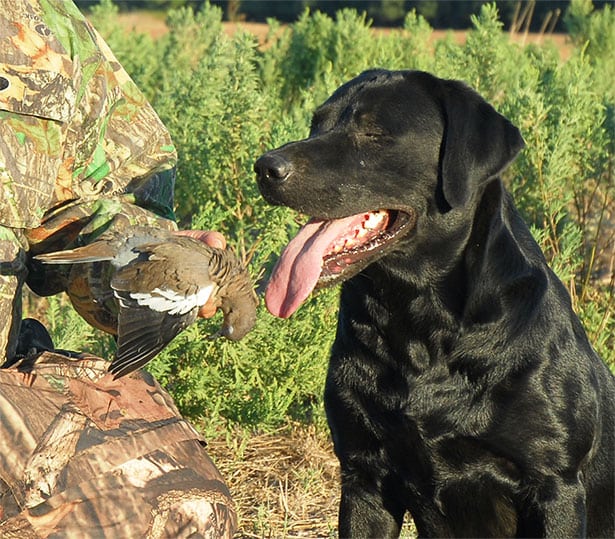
(373, 134)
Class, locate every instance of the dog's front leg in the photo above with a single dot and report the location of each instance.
(560, 509)
(366, 513)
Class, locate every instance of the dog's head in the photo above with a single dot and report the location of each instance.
(384, 149)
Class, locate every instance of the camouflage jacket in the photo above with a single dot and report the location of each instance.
(74, 128)
(83, 455)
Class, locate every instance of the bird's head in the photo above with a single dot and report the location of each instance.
(239, 315)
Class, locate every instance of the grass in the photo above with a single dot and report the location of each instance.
(285, 483)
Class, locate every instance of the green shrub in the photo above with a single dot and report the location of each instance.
(595, 32)
(226, 102)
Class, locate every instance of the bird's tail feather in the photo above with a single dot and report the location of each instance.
(95, 252)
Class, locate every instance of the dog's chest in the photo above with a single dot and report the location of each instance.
(424, 428)
(396, 385)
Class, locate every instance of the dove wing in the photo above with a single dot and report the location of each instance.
(159, 295)
(94, 252)
(142, 333)
(118, 245)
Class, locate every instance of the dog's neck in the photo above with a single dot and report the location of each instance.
(408, 300)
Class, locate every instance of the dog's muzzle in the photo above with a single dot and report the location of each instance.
(272, 168)
(272, 171)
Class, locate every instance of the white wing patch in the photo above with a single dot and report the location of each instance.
(170, 302)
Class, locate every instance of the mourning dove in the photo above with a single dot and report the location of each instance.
(158, 282)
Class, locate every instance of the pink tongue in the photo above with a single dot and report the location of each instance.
(299, 266)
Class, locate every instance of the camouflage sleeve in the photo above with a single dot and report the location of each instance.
(73, 126)
(77, 224)
(80, 145)
(80, 451)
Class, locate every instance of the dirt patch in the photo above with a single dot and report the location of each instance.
(143, 22)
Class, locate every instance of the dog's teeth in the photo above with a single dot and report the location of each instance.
(373, 220)
(357, 237)
(338, 247)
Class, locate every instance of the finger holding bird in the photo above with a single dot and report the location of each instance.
(159, 282)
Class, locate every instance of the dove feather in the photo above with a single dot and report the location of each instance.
(173, 302)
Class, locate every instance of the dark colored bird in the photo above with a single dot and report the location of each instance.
(157, 282)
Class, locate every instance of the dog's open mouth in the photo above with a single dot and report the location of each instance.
(327, 251)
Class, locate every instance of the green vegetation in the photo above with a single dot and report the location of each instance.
(226, 101)
(537, 15)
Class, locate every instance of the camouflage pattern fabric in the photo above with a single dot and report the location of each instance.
(82, 455)
(79, 145)
(73, 125)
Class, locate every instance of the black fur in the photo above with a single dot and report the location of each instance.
(461, 385)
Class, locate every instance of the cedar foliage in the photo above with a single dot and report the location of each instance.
(226, 101)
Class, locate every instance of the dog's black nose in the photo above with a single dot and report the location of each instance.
(272, 167)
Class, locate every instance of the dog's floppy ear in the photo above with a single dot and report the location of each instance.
(478, 143)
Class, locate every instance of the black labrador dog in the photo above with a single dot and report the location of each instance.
(461, 386)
